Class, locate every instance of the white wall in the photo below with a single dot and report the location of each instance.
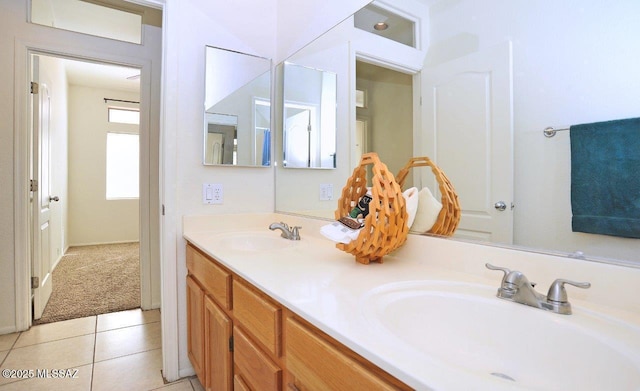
(92, 218)
(272, 29)
(191, 25)
(574, 62)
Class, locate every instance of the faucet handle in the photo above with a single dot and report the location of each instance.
(502, 269)
(295, 233)
(557, 292)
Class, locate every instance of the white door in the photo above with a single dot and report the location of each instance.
(468, 106)
(299, 142)
(42, 260)
(361, 137)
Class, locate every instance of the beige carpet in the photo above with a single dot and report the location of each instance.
(93, 280)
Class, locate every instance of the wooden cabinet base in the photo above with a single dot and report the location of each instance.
(241, 339)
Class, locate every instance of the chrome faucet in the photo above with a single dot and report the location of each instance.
(516, 287)
(287, 233)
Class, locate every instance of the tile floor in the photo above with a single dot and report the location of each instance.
(117, 351)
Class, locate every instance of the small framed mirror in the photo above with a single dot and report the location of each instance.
(309, 117)
(237, 115)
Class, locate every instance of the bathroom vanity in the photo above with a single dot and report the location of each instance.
(268, 313)
(240, 338)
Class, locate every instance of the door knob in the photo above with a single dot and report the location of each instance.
(500, 205)
(54, 198)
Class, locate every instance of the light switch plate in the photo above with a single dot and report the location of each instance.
(326, 191)
(212, 193)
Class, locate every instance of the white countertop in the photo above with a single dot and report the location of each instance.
(327, 287)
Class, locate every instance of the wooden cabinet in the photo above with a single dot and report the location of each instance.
(316, 364)
(209, 328)
(241, 339)
(258, 314)
(215, 280)
(218, 359)
(195, 327)
(239, 384)
(254, 366)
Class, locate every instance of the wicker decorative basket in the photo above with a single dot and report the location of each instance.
(449, 216)
(385, 228)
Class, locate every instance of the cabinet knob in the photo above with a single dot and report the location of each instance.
(293, 387)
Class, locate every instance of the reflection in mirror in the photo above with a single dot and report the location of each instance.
(383, 125)
(220, 142)
(309, 112)
(584, 75)
(237, 109)
(377, 19)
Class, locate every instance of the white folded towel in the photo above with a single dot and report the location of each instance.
(339, 233)
(427, 214)
(411, 201)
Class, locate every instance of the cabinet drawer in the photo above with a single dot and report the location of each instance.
(256, 369)
(258, 314)
(318, 365)
(215, 280)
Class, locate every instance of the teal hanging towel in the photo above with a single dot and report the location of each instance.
(605, 178)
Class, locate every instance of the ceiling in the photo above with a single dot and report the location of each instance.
(96, 75)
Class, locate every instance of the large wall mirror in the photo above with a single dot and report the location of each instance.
(237, 118)
(586, 74)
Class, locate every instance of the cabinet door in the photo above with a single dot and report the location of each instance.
(254, 366)
(218, 358)
(317, 365)
(195, 329)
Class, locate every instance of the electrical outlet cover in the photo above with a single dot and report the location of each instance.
(326, 192)
(212, 193)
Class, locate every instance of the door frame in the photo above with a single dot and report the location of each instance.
(23, 159)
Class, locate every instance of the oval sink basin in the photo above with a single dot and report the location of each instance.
(254, 241)
(465, 326)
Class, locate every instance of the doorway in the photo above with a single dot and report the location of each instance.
(81, 201)
(384, 114)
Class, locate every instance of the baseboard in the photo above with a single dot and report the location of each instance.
(186, 372)
(8, 330)
(100, 243)
(55, 264)
(153, 307)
